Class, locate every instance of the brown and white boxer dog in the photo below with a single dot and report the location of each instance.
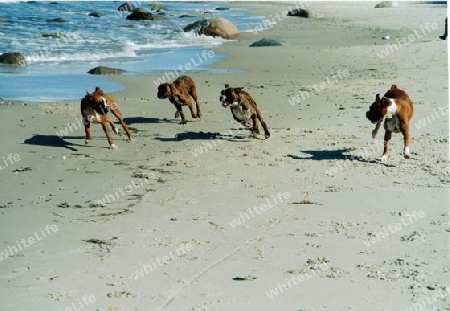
(179, 93)
(243, 108)
(396, 109)
(94, 107)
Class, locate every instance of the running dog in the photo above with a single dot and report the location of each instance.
(94, 107)
(243, 109)
(179, 93)
(396, 109)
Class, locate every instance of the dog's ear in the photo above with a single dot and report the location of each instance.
(393, 87)
(227, 85)
(238, 89)
(385, 102)
(377, 98)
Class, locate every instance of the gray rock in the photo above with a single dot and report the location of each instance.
(126, 7)
(96, 14)
(56, 20)
(304, 13)
(146, 16)
(140, 10)
(216, 27)
(266, 42)
(385, 4)
(101, 70)
(13, 59)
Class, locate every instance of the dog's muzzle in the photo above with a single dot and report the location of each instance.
(223, 100)
(162, 94)
(368, 116)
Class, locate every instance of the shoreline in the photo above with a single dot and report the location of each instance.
(203, 217)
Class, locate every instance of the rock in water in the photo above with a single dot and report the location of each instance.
(13, 59)
(146, 16)
(126, 7)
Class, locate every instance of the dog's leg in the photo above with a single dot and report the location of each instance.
(116, 112)
(254, 128)
(87, 124)
(186, 100)
(406, 137)
(387, 139)
(113, 126)
(266, 129)
(108, 133)
(87, 130)
(377, 127)
(193, 94)
(180, 112)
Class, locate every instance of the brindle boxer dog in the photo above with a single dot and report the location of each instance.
(94, 107)
(396, 109)
(179, 93)
(243, 108)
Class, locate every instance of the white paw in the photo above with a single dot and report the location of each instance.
(246, 124)
(87, 141)
(113, 146)
(406, 154)
(384, 158)
(116, 130)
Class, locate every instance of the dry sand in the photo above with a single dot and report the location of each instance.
(309, 198)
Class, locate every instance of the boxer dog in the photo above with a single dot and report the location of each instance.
(94, 107)
(243, 109)
(396, 110)
(179, 93)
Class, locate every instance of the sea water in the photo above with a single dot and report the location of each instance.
(59, 54)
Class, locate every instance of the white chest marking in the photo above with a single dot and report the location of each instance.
(92, 115)
(392, 109)
(240, 113)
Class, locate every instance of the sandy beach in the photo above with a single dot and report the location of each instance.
(204, 217)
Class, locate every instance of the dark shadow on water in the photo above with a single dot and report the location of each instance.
(53, 141)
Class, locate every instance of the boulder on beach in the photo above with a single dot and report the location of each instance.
(266, 42)
(304, 13)
(126, 7)
(216, 27)
(13, 59)
(144, 16)
(101, 70)
(386, 4)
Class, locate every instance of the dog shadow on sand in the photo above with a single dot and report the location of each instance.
(53, 141)
(202, 136)
(144, 120)
(339, 154)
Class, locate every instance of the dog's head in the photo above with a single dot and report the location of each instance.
(164, 90)
(378, 109)
(96, 101)
(230, 95)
